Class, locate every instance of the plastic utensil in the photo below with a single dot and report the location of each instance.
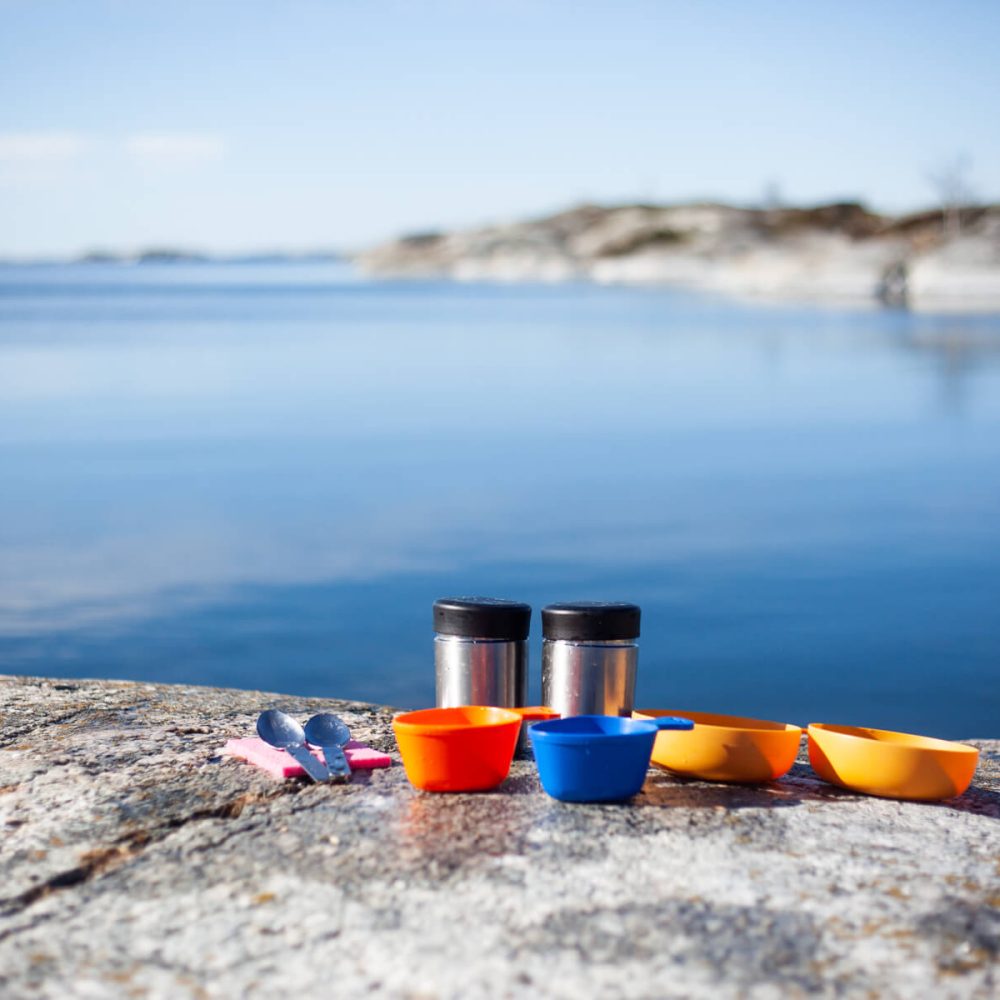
(462, 749)
(888, 764)
(330, 733)
(596, 758)
(725, 747)
(282, 731)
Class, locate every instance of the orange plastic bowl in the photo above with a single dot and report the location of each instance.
(725, 747)
(529, 716)
(536, 713)
(466, 749)
(893, 765)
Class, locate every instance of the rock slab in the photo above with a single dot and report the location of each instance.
(137, 861)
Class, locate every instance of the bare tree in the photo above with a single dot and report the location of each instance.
(954, 190)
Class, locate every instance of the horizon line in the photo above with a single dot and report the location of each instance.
(182, 252)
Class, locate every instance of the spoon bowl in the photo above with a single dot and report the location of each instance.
(326, 730)
(279, 729)
(330, 733)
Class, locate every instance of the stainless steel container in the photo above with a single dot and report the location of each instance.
(590, 655)
(481, 652)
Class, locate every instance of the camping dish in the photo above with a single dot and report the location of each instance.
(725, 747)
(893, 765)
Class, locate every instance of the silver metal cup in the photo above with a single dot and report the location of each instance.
(589, 678)
(481, 652)
(471, 671)
(590, 657)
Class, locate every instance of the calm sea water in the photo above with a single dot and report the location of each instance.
(262, 477)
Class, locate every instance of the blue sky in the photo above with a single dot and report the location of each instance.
(238, 125)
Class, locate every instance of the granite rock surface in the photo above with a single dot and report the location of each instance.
(137, 861)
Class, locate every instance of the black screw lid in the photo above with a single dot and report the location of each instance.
(602, 621)
(482, 618)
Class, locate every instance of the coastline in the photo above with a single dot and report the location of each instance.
(830, 255)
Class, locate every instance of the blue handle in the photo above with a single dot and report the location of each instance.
(673, 722)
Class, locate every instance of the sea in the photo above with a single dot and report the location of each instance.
(262, 475)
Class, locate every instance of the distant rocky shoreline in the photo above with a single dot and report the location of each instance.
(838, 253)
(172, 255)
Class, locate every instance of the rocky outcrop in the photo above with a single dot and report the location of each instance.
(137, 861)
(839, 252)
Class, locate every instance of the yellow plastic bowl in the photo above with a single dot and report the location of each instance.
(725, 747)
(893, 765)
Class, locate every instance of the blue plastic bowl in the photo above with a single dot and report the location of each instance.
(596, 758)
